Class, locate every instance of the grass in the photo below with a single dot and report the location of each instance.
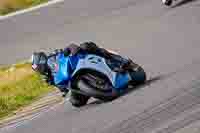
(8, 6)
(19, 86)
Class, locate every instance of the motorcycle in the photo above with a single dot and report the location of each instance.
(89, 75)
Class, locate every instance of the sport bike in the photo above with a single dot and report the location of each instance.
(89, 75)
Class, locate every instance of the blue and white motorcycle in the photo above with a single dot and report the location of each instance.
(89, 75)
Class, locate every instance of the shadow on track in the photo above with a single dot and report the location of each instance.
(183, 2)
(147, 83)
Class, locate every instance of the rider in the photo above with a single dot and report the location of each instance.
(40, 61)
(40, 64)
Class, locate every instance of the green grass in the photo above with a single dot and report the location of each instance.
(9, 6)
(19, 87)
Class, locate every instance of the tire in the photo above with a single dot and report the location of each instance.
(78, 100)
(86, 87)
(94, 83)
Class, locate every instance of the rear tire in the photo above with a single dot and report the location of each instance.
(78, 100)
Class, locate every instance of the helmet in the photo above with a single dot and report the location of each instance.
(39, 62)
(72, 49)
(66, 52)
(91, 46)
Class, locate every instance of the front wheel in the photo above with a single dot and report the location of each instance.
(95, 84)
(78, 100)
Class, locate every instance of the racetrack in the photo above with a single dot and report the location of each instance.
(165, 41)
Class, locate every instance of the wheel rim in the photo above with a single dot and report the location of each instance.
(97, 82)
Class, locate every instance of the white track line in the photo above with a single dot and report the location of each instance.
(32, 117)
(51, 2)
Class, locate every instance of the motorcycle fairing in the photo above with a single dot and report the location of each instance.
(60, 68)
(94, 62)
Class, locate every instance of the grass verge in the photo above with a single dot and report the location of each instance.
(8, 6)
(19, 86)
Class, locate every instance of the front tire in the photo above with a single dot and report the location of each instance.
(94, 84)
(78, 100)
(85, 86)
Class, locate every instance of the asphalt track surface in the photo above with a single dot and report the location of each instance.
(165, 41)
